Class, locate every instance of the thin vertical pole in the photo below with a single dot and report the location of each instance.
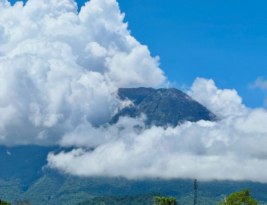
(195, 192)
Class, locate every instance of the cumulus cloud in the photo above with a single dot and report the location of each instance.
(233, 147)
(59, 73)
(60, 69)
(223, 103)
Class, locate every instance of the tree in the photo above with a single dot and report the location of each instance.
(239, 198)
(4, 202)
(166, 200)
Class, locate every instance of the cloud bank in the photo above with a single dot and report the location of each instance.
(60, 69)
(59, 73)
(232, 148)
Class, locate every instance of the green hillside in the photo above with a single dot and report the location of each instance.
(23, 177)
(140, 199)
(53, 188)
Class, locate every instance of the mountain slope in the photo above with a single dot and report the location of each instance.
(22, 175)
(44, 186)
(162, 107)
(139, 199)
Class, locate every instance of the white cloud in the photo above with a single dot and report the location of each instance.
(59, 72)
(233, 148)
(259, 83)
(223, 103)
(60, 69)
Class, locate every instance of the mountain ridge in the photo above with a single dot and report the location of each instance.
(161, 106)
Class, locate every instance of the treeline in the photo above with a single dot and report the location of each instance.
(17, 202)
(2, 202)
(140, 199)
(238, 198)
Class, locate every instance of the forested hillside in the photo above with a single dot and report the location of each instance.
(140, 199)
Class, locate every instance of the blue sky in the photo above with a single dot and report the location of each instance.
(223, 40)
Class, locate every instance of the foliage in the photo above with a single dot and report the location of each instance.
(5, 203)
(166, 200)
(139, 199)
(239, 198)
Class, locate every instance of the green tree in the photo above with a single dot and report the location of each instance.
(166, 200)
(4, 202)
(239, 198)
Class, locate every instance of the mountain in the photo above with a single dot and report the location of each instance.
(23, 174)
(162, 106)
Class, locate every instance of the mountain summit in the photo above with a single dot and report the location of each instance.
(162, 106)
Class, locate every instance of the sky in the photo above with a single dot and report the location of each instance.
(222, 40)
(60, 70)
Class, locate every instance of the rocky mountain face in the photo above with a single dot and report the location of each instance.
(162, 106)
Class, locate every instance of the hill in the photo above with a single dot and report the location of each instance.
(22, 177)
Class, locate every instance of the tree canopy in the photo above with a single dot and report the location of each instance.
(240, 198)
(4, 202)
(166, 200)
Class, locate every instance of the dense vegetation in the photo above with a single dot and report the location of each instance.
(166, 200)
(239, 198)
(2, 202)
(140, 199)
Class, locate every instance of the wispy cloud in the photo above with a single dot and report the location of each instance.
(262, 84)
(259, 83)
